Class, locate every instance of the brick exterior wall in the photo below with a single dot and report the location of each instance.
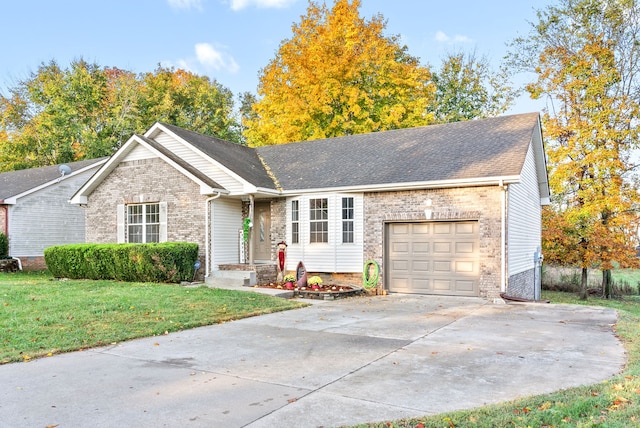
(522, 284)
(33, 263)
(148, 181)
(3, 218)
(473, 203)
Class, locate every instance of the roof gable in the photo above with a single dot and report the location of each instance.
(14, 184)
(238, 159)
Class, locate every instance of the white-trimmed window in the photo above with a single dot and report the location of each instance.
(295, 222)
(347, 221)
(319, 220)
(142, 223)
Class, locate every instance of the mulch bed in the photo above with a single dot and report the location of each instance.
(322, 291)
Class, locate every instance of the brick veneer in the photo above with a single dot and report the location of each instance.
(3, 218)
(148, 181)
(472, 203)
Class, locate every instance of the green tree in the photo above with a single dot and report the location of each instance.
(467, 88)
(187, 100)
(86, 111)
(586, 60)
(338, 75)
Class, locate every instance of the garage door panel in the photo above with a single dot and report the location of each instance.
(465, 267)
(465, 247)
(420, 266)
(400, 247)
(433, 258)
(421, 247)
(442, 285)
(442, 247)
(465, 228)
(441, 228)
(421, 229)
(400, 265)
(465, 288)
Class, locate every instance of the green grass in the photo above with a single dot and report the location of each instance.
(613, 403)
(40, 316)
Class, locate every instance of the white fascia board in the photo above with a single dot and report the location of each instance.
(14, 199)
(390, 187)
(159, 127)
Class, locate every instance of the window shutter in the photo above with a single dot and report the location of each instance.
(120, 223)
(163, 222)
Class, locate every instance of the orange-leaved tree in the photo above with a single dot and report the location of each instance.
(338, 75)
(586, 69)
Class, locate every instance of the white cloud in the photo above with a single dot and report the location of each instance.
(186, 4)
(207, 59)
(262, 4)
(216, 59)
(442, 37)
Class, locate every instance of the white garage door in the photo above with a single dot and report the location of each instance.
(433, 258)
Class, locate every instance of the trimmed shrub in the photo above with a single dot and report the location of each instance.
(4, 246)
(157, 262)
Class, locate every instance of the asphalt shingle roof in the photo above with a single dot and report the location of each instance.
(483, 148)
(13, 183)
(242, 160)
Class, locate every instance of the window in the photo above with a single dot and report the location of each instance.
(143, 223)
(318, 220)
(347, 220)
(295, 222)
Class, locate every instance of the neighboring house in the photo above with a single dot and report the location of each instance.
(452, 209)
(35, 212)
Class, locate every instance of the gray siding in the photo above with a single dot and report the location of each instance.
(45, 218)
(524, 222)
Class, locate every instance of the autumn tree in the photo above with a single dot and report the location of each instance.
(86, 111)
(187, 100)
(586, 57)
(338, 75)
(467, 88)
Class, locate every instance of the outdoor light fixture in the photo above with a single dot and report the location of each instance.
(428, 211)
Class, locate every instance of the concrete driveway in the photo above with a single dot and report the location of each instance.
(334, 363)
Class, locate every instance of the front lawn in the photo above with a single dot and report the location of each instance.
(40, 316)
(613, 403)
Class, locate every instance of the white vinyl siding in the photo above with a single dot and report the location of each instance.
(44, 218)
(205, 166)
(524, 222)
(139, 152)
(334, 255)
(226, 221)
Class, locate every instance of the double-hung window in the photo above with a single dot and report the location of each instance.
(347, 221)
(143, 223)
(318, 220)
(295, 222)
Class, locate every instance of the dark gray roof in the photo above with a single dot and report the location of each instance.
(494, 147)
(13, 183)
(242, 160)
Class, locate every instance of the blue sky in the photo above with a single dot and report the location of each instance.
(231, 40)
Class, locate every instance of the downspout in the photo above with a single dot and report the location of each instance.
(207, 237)
(251, 212)
(503, 237)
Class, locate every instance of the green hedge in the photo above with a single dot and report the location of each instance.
(4, 246)
(163, 262)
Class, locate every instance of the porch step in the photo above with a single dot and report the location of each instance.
(231, 278)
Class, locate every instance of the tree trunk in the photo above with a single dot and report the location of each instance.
(583, 285)
(606, 283)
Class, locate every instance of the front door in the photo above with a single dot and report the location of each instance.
(262, 231)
